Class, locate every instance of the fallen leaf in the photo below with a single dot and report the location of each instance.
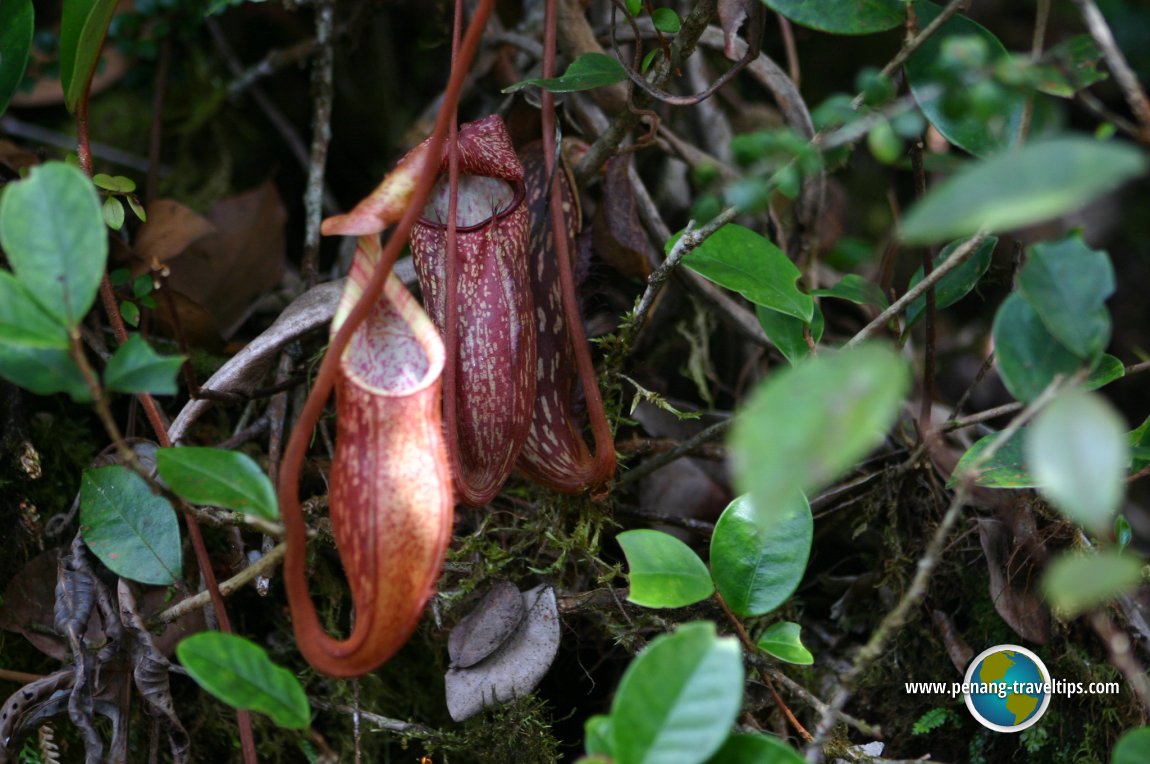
(617, 233)
(1010, 591)
(488, 626)
(516, 668)
(170, 229)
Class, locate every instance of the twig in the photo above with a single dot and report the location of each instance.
(982, 416)
(1125, 77)
(227, 588)
(1038, 41)
(691, 239)
(155, 141)
(684, 448)
(897, 617)
(102, 151)
(956, 258)
(792, 51)
(274, 61)
(23, 677)
(908, 48)
(384, 723)
(1118, 645)
(320, 139)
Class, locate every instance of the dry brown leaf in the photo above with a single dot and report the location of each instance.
(618, 235)
(170, 229)
(1014, 598)
(227, 270)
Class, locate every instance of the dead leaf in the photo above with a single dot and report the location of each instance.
(486, 627)
(1010, 588)
(618, 234)
(227, 270)
(732, 14)
(170, 229)
(29, 602)
(16, 158)
(516, 668)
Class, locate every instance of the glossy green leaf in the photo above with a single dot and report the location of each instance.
(83, 25)
(597, 731)
(1074, 583)
(1078, 452)
(53, 231)
(783, 641)
(1132, 747)
(34, 346)
(954, 285)
(758, 557)
(666, 20)
(842, 16)
(17, 24)
(239, 672)
(1077, 57)
(1028, 357)
(1139, 440)
(856, 289)
(664, 572)
(788, 334)
(132, 530)
(113, 211)
(967, 129)
(1007, 467)
(115, 183)
(808, 424)
(737, 258)
(1067, 283)
(1022, 186)
(589, 71)
(219, 478)
(678, 699)
(634, 7)
(1106, 371)
(136, 368)
(755, 749)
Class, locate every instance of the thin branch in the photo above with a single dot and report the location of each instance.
(1125, 77)
(686, 447)
(322, 96)
(956, 258)
(1037, 42)
(227, 588)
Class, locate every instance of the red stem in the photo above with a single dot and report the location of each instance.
(603, 466)
(295, 577)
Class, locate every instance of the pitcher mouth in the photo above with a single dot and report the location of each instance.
(518, 190)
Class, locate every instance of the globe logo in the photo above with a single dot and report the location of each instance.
(1009, 688)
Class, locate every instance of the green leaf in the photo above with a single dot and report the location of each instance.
(664, 572)
(34, 350)
(1067, 283)
(842, 16)
(808, 424)
(1078, 56)
(218, 478)
(1007, 468)
(782, 641)
(113, 211)
(666, 20)
(53, 232)
(634, 7)
(17, 24)
(678, 699)
(856, 289)
(758, 556)
(1074, 583)
(23, 322)
(589, 71)
(927, 67)
(137, 208)
(1132, 747)
(1139, 440)
(1028, 357)
(136, 368)
(1078, 451)
(130, 312)
(597, 731)
(115, 183)
(954, 285)
(740, 259)
(1108, 369)
(1022, 186)
(755, 749)
(787, 333)
(82, 28)
(239, 672)
(132, 530)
